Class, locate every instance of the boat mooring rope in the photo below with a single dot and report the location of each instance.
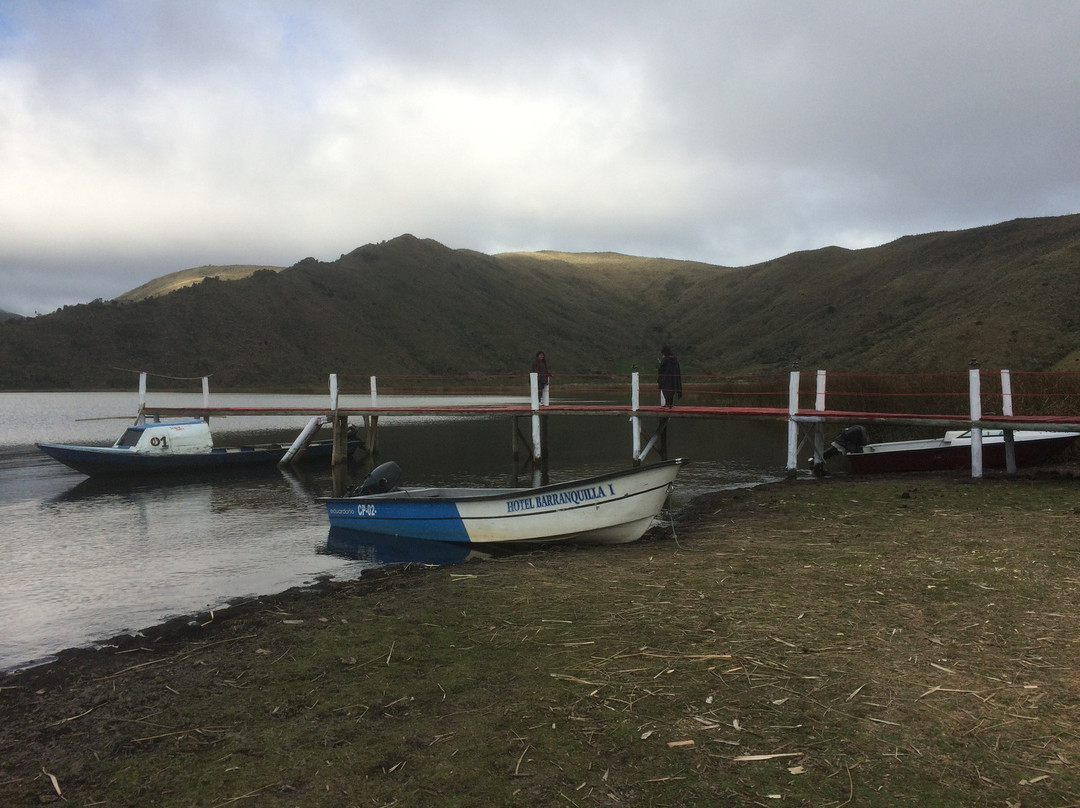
(671, 521)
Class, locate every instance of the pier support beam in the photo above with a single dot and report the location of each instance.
(141, 417)
(793, 426)
(819, 428)
(296, 451)
(975, 397)
(534, 400)
(340, 451)
(341, 440)
(1007, 409)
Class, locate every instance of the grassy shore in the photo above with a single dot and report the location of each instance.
(888, 642)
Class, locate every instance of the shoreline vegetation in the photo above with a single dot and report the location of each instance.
(900, 641)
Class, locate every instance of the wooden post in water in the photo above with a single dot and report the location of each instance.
(514, 439)
(534, 403)
(1007, 409)
(819, 428)
(340, 451)
(141, 417)
(793, 426)
(206, 395)
(975, 399)
(660, 436)
(635, 422)
(372, 422)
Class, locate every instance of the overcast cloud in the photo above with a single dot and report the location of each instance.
(140, 137)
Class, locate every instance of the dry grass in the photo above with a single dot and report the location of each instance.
(884, 642)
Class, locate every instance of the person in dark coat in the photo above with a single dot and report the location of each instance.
(540, 368)
(669, 377)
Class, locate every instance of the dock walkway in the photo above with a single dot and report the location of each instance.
(1056, 401)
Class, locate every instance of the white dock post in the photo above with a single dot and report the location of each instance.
(1007, 409)
(635, 422)
(371, 422)
(141, 417)
(206, 396)
(339, 453)
(975, 397)
(819, 428)
(534, 402)
(793, 427)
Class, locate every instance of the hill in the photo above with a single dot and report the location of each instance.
(1006, 294)
(189, 277)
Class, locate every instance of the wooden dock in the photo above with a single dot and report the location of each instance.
(806, 424)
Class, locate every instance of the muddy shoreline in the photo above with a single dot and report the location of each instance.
(173, 633)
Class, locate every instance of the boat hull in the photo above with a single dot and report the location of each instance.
(610, 509)
(118, 461)
(1031, 449)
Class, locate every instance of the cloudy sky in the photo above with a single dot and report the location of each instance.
(140, 137)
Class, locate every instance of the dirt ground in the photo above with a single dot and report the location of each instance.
(892, 641)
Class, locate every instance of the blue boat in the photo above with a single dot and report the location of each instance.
(174, 446)
(609, 509)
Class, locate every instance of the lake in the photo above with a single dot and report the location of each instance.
(83, 560)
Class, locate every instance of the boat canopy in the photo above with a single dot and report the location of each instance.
(173, 437)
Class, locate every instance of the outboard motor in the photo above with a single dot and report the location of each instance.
(850, 441)
(384, 478)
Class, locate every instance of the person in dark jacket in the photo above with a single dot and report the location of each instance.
(669, 377)
(540, 368)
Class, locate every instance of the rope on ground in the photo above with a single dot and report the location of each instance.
(674, 535)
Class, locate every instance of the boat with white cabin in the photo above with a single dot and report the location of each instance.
(175, 446)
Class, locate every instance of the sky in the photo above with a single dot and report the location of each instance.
(142, 137)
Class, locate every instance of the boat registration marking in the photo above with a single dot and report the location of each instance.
(361, 509)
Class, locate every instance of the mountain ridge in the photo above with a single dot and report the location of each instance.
(1007, 295)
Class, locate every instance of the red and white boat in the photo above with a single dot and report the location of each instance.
(953, 451)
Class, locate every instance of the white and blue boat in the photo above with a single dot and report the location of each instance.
(173, 446)
(612, 508)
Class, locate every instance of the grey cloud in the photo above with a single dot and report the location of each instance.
(174, 134)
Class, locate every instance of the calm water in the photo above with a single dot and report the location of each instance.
(81, 561)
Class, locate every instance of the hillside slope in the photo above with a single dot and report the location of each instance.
(189, 277)
(1007, 295)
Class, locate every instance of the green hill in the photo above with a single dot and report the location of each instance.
(1007, 295)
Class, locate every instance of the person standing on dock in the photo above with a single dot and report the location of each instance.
(540, 368)
(669, 377)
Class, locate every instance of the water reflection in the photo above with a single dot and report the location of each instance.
(380, 549)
